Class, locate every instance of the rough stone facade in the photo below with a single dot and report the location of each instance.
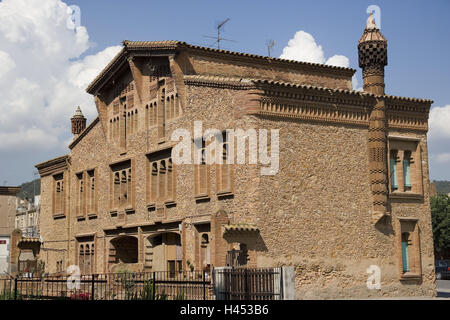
(101, 208)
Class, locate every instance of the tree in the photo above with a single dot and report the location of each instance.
(440, 218)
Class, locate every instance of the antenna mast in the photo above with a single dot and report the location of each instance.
(270, 45)
(219, 38)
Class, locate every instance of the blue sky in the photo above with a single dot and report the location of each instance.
(418, 54)
(417, 31)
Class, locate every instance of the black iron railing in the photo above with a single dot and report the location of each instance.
(186, 285)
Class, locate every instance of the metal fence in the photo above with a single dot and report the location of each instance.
(248, 283)
(186, 285)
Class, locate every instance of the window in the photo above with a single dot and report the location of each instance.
(86, 255)
(393, 170)
(81, 196)
(406, 179)
(58, 195)
(162, 111)
(409, 248)
(122, 192)
(91, 192)
(405, 243)
(224, 171)
(201, 172)
(161, 181)
(407, 170)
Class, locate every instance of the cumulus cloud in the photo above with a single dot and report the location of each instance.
(438, 123)
(338, 61)
(439, 142)
(303, 47)
(42, 75)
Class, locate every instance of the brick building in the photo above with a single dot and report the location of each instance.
(8, 204)
(352, 188)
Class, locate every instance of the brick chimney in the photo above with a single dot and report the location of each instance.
(372, 52)
(78, 122)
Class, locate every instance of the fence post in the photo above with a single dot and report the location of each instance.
(154, 286)
(247, 296)
(204, 285)
(93, 287)
(15, 288)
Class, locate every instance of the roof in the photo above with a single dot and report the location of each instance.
(175, 46)
(241, 227)
(9, 191)
(246, 82)
(371, 32)
(53, 165)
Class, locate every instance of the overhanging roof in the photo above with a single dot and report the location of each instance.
(149, 48)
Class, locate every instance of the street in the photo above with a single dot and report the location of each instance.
(443, 288)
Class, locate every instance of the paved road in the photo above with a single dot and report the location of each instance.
(443, 288)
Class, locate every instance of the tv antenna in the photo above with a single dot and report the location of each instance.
(219, 38)
(270, 44)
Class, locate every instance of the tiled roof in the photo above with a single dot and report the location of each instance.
(52, 161)
(8, 190)
(248, 81)
(241, 227)
(372, 35)
(175, 45)
(171, 44)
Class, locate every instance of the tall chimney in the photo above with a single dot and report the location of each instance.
(78, 122)
(372, 52)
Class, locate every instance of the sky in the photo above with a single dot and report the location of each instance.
(47, 62)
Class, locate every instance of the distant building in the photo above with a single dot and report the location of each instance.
(27, 218)
(7, 212)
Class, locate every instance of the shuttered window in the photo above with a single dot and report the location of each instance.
(407, 169)
(393, 170)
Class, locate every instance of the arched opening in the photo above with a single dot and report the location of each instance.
(124, 250)
(163, 253)
(205, 252)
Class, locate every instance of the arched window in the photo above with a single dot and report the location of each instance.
(110, 129)
(154, 181)
(87, 260)
(243, 254)
(176, 106)
(136, 122)
(123, 187)
(405, 254)
(393, 169)
(407, 170)
(129, 192)
(116, 189)
(162, 181)
(81, 258)
(170, 189)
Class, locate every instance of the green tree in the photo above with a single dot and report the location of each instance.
(440, 218)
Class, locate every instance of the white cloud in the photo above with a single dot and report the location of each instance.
(42, 77)
(442, 157)
(303, 47)
(338, 61)
(439, 123)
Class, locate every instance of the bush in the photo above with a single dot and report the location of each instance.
(9, 295)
